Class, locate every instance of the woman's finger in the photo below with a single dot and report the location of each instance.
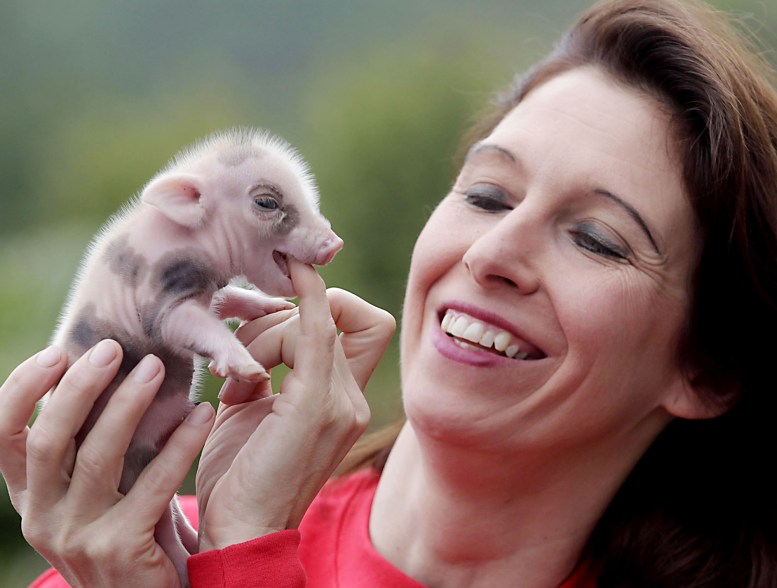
(276, 337)
(236, 392)
(52, 436)
(267, 339)
(271, 346)
(19, 396)
(276, 345)
(366, 332)
(248, 331)
(100, 458)
(314, 349)
(154, 489)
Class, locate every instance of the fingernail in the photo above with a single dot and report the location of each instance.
(49, 357)
(146, 370)
(224, 387)
(201, 414)
(103, 354)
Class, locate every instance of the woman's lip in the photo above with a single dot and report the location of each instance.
(488, 318)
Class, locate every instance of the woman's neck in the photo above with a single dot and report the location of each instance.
(454, 517)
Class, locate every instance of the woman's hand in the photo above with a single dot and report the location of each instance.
(269, 455)
(71, 510)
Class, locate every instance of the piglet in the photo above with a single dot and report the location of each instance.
(157, 279)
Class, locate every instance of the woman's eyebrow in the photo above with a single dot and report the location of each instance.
(632, 212)
(480, 147)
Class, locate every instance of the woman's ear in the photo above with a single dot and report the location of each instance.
(697, 397)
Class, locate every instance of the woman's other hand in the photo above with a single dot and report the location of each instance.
(71, 510)
(269, 455)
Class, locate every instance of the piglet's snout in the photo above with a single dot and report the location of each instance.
(328, 249)
(315, 245)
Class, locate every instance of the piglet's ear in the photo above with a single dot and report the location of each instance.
(178, 197)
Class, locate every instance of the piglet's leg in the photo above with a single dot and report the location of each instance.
(192, 326)
(240, 303)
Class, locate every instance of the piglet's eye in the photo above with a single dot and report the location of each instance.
(266, 203)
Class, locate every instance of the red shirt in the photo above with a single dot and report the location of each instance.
(332, 549)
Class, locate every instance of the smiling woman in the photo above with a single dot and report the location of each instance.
(574, 278)
(527, 235)
(616, 214)
(584, 402)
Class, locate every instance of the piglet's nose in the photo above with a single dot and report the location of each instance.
(328, 249)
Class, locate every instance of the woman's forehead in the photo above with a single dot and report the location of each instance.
(584, 128)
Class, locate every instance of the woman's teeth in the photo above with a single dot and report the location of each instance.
(469, 329)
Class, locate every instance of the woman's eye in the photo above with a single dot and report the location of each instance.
(487, 197)
(266, 202)
(591, 240)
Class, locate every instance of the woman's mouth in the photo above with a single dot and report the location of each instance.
(471, 333)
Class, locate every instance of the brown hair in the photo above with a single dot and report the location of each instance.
(700, 508)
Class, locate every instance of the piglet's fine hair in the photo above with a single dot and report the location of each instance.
(158, 278)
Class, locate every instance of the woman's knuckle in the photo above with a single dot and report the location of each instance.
(384, 317)
(156, 478)
(35, 533)
(357, 421)
(48, 538)
(328, 417)
(41, 444)
(385, 322)
(91, 462)
(333, 413)
(344, 416)
(362, 416)
(100, 549)
(57, 539)
(68, 547)
(329, 334)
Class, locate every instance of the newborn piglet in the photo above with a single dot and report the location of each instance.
(157, 279)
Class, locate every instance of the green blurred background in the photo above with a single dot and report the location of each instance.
(96, 96)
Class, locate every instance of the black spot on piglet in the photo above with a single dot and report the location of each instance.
(85, 332)
(186, 278)
(124, 261)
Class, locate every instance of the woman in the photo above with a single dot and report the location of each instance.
(587, 403)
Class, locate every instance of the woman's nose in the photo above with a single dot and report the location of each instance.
(505, 254)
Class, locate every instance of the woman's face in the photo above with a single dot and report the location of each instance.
(548, 290)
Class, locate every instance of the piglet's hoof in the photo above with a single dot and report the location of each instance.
(244, 372)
